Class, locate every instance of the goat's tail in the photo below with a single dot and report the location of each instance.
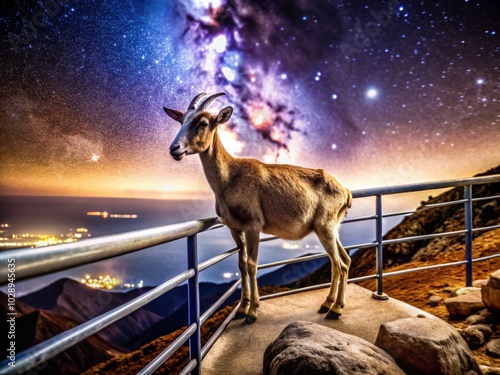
(346, 206)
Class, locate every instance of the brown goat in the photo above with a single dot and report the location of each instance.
(252, 197)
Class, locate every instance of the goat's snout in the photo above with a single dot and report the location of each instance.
(177, 151)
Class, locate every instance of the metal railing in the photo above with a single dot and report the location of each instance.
(33, 262)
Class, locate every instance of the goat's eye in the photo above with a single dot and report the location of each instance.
(203, 123)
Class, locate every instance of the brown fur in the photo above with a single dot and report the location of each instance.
(284, 200)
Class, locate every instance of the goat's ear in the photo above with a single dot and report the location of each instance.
(224, 115)
(176, 115)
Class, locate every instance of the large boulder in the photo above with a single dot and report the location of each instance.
(423, 346)
(491, 292)
(313, 349)
(465, 304)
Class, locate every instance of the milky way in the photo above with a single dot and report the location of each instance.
(377, 92)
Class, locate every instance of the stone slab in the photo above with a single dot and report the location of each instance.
(240, 349)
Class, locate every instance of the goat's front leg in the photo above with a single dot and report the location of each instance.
(252, 245)
(242, 265)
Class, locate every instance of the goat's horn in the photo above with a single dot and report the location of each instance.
(205, 103)
(195, 101)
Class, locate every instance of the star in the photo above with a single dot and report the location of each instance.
(371, 93)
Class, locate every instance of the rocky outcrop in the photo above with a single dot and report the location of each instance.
(476, 335)
(465, 304)
(313, 349)
(436, 220)
(491, 292)
(427, 347)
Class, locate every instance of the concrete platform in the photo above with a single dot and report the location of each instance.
(241, 347)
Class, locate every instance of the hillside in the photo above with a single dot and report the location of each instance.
(34, 326)
(432, 220)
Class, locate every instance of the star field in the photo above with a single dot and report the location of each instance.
(377, 93)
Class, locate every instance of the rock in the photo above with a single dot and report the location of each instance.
(491, 292)
(494, 280)
(466, 290)
(479, 283)
(434, 301)
(482, 317)
(464, 304)
(490, 370)
(426, 347)
(475, 335)
(310, 348)
(493, 348)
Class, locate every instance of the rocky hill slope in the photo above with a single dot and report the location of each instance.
(432, 220)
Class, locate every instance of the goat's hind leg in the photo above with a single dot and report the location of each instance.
(345, 262)
(328, 237)
(242, 265)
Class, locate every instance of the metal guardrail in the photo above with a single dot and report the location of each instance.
(33, 262)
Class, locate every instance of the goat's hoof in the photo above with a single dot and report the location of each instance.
(323, 309)
(332, 315)
(240, 315)
(250, 319)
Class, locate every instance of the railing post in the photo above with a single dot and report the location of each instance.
(379, 294)
(468, 212)
(194, 304)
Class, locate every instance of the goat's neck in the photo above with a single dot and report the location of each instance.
(215, 161)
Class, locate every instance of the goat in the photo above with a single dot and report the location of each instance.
(252, 197)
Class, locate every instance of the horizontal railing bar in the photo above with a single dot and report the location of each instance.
(423, 237)
(409, 188)
(361, 278)
(314, 287)
(291, 261)
(361, 245)
(31, 262)
(161, 358)
(398, 213)
(216, 259)
(486, 258)
(57, 344)
(189, 367)
(266, 239)
(486, 228)
(293, 291)
(426, 207)
(442, 204)
(359, 218)
(211, 341)
(425, 268)
(491, 197)
(219, 302)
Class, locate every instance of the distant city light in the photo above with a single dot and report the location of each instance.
(14, 240)
(227, 275)
(106, 214)
(291, 245)
(101, 282)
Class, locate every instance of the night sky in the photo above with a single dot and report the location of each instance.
(375, 92)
